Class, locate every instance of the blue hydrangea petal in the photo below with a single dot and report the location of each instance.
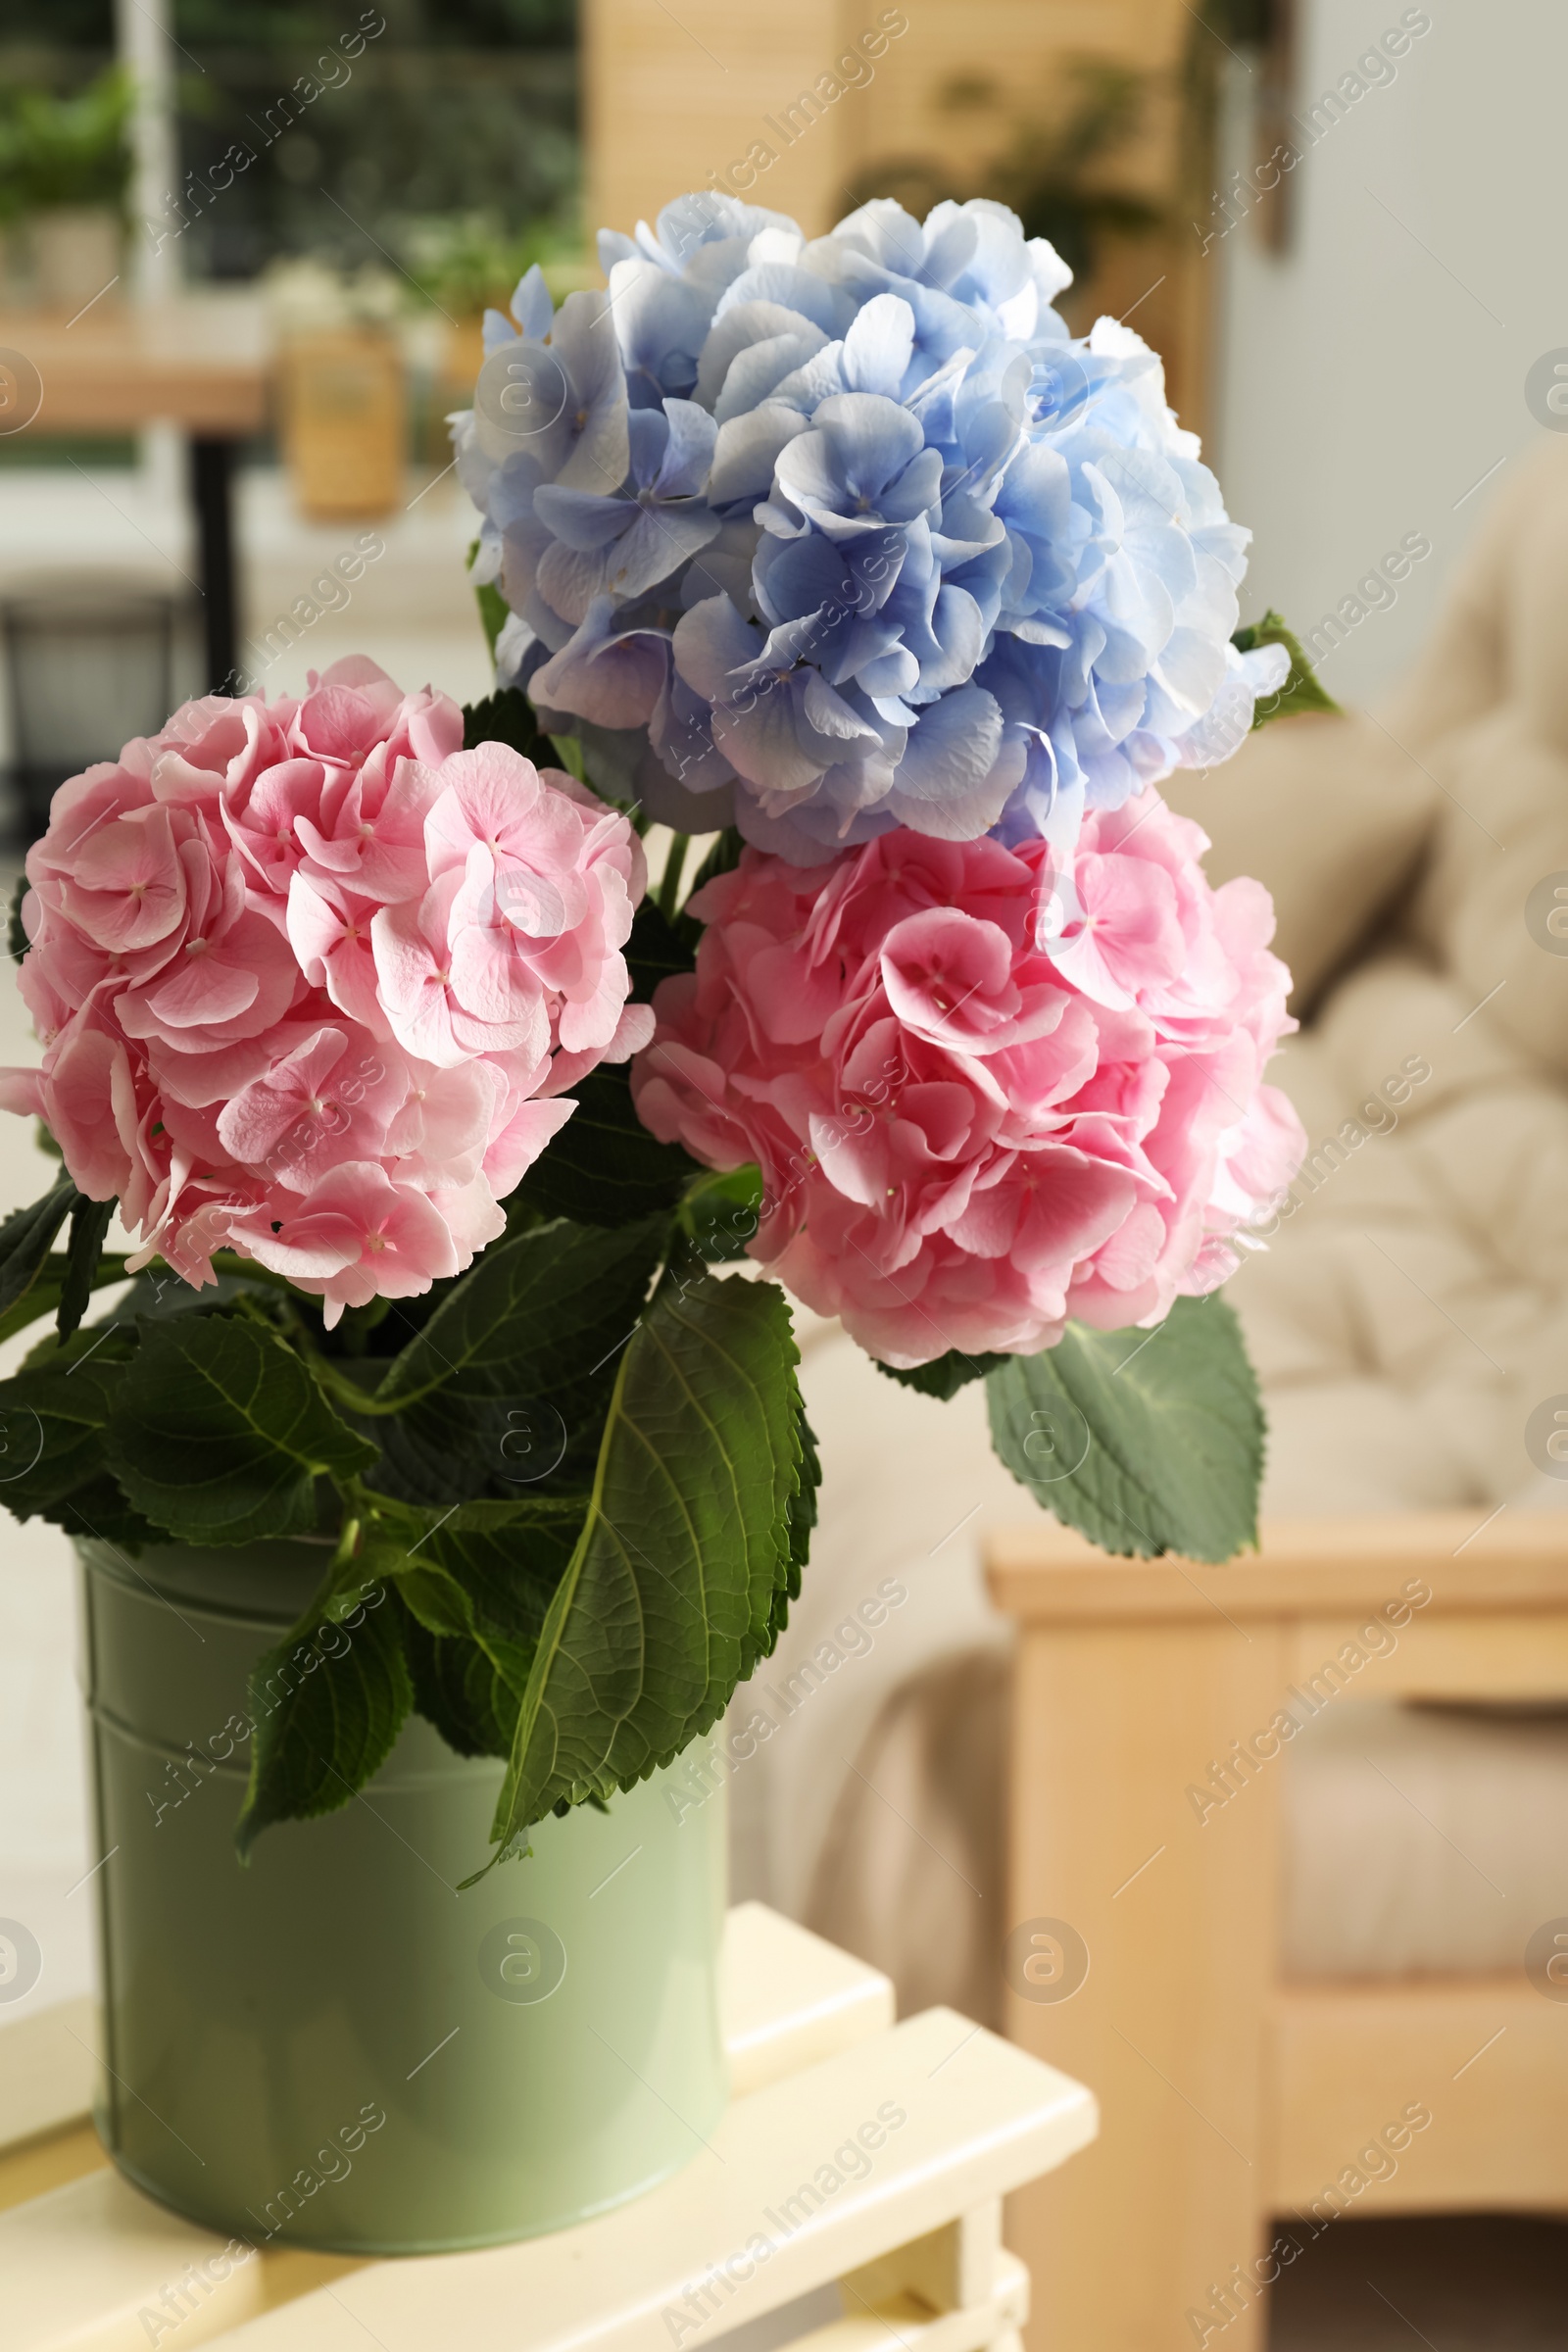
(653, 545)
(811, 570)
(683, 469)
(694, 224)
(612, 246)
(958, 774)
(817, 381)
(680, 738)
(756, 372)
(787, 286)
(532, 304)
(711, 641)
(660, 325)
(927, 558)
(518, 651)
(881, 229)
(611, 676)
(951, 234)
(582, 518)
(879, 347)
(747, 450)
(736, 331)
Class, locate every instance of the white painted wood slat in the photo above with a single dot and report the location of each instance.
(760, 2217)
(976, 2119)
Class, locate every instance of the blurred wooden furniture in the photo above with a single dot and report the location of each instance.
(200, 364)
(1230, 2096)
(814, 2060)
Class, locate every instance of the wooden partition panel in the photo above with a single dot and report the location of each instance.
(794, 107)
(675, 99)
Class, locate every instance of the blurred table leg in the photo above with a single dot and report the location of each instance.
(212, 485)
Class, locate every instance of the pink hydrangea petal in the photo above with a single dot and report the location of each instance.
(978, 1132)
(441, 1130)
(201, 991)
(86, 1088)
(127, 884)
(521, 1142)
(273, 1019)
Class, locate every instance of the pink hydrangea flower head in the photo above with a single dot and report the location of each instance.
(988, 1089)
(312, 981)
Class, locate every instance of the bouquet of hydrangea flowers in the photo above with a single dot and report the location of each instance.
(427, 1126)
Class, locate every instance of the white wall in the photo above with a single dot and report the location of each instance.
(1367, 379)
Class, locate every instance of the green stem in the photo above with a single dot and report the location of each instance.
(344, 1390)
(347, 1546)
(674, 867)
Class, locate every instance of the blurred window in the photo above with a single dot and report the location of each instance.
(446, 142)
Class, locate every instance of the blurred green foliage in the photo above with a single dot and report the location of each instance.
(64, 150)
(468, 261)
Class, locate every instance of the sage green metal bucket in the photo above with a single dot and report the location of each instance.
(335, 2047)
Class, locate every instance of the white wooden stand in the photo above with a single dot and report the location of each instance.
(915, 2244)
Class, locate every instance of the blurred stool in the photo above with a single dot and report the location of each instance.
(88, 667)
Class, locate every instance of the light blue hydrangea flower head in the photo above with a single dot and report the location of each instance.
(826, 535)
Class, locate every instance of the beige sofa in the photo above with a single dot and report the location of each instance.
(1409, 1316)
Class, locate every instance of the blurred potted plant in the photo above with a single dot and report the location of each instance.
(65, 169)
(466, 264)
(342, 387)
(1064, 185)
(1058, 170)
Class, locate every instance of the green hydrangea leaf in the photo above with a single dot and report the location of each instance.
(98, 1508)
(476, 1590)
(325, 1707)
(44, 1293)
(508, 1383)
(719, 1216)
(460, 1689)
(673, 1591)
(221, 1435)
(53, 1415)
(946, 1375)
(17, 940)
(27, 1237)
(487, 1573)
(801, 1517)
(1300, 689)
(90, 1222)
(1144, 1442)
(507, 716)
(604, 1167)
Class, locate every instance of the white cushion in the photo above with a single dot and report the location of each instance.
(1330, 814)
